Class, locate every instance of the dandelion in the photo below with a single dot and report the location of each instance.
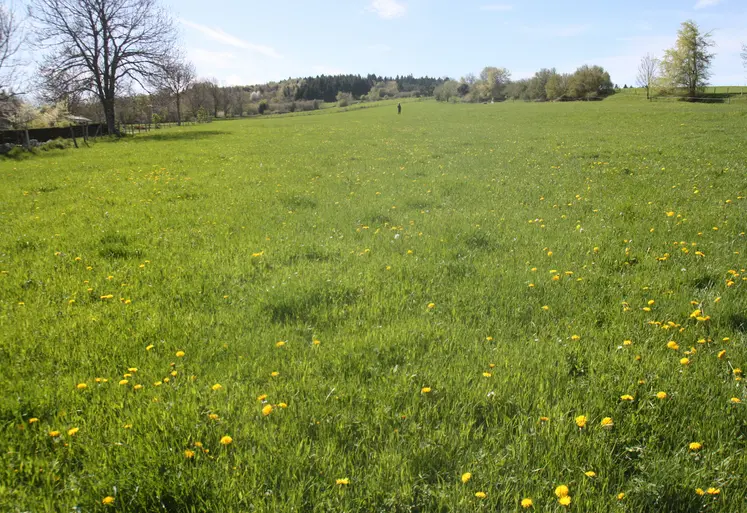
(216, 387)
(33, 420)
(72, 431)
(275, 374)
(425, 390)
(544, 419)
(54, 434)
(282, 405)
(620, 496)
(81, 386)
(481, 495)
(149, 347)
(673, 345)
(226, 440)
(189, 454)
(279, 344)
(561, 491)
(546, 308)
(466, 477)
(713, 491)
(132, 369)
(213, 416)
(575, 337)
(627, 342)
(180, 354)
(527, 503)
(431, 306)
(627, 397)
(581, 421)
(590, 473)
(695, 446)
(735, 400)
(123, 382)
(267, 410)
(316, 342)
(607, 423)
(487, 374)
(685, 361)
(661, 395)
(699, 491)
(565, 501)
(343, 481)
(137, 387)
(262, 398)
(721, 354)
(108, 500)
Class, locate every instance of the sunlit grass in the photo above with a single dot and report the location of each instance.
(353, 311)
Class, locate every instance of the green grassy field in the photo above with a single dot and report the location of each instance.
(351, 311)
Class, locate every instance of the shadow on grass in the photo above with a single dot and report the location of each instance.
(187, 135)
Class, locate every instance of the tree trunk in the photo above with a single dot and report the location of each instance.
(111, 120)
(178, 110)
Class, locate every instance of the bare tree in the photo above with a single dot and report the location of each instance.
(11, 39)
(99, 46)
(176, 76)
(744, 56)
(648, 72)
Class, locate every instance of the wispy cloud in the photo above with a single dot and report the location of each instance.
(388, 9)
(702, 4)
(497, 7)
(220, 36)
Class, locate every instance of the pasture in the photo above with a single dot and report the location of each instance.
(452, 310)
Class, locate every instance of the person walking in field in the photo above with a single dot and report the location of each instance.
(399, 108)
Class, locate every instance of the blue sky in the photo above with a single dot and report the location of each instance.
(249, 42)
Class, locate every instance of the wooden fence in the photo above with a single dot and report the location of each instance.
(21, 137)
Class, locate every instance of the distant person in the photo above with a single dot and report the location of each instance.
(399, 108)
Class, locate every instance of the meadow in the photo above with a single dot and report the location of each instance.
(465, 308)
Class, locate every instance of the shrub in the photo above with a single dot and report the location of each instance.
(344, 99)
(262, 107)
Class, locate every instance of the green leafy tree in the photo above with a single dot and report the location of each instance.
(688, 63)
(493, 81)
(590, 82)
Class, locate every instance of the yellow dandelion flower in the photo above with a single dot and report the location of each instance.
(123, 382)
(695, 446)
(180, 354)
(316, 342)
(721, 354)
(226, 440)
(33, 420)
(620, 496)
(607, 423)
(431, 306)
(342, 481)
(267, 410)
(481, 495)
(581, 421)
(189, 454)
(661, 395)
(575, 337)
(54, 434)
(213, 416)
(673, 345)
(544, 419)
(590, 473)
(527, 503)
(425, 390)
(627, 342)
(735, 400)
(627, 397)
(216, 387)
(699, 491)
(466, 477)
(132, 369)
(713, 491)
(487, 374)
(72, 431)
(279, 344)
(148, 348)
(565, 501)
(561, 491)
(108, 500)
(282, 405)
(275, 374)
(262, 397)
(546, 308)
(685, 361)
(137, 387)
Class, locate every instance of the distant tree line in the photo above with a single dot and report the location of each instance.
(372, 87)
(495, 84)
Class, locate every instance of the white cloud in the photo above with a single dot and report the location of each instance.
(219, 35)
(388, 9)
(702, 4)
(496, 7)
